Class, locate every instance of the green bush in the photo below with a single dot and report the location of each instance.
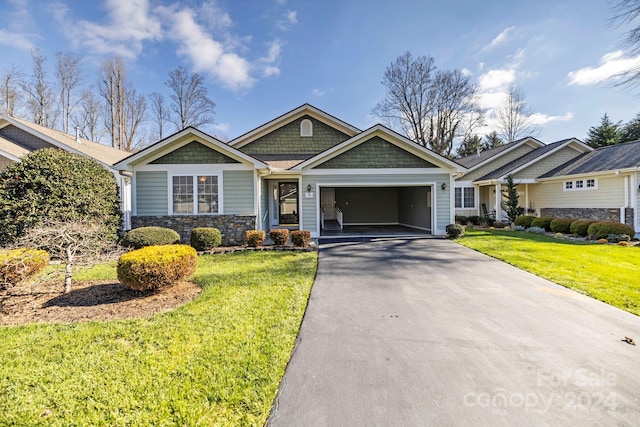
(55, 185)
(561, 225)
(524, 220)
(301, 238)
(617, 238)
(542, 222)
(149, 236)
(255, 238)
(153, 267)
(205, 238)
(487, 221)
(20, 264)
(474, 219)
(581, 226)
(601, 229)
(454, 231)
(461, 219)
(279, 236)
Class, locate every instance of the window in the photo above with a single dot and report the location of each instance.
(306, 128)
(581, 184)
(201, 198)
(568, 185)
(465, 198)
(591, 183)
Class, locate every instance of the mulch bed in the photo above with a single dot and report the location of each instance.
(90, 300)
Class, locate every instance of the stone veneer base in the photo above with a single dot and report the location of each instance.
(598, 214)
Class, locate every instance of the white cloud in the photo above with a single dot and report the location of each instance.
(611, 64)
(500, 38)
(480, 66)
(18, 20)
(497, 79)
(206, 54)
(273, 57)
(466, 72)
(292, 17)
(19, 40)
(214, 16)
(220, 127)
(541, 119)
(318, 92)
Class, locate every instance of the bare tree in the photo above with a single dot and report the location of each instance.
(125, 109)
(10, 95)
(89, 116)
(74, 243)
(432, 108)
(628, 13)
(69, 77)
(40, 95)
(160, 114)
(190, 104)
(514, 116)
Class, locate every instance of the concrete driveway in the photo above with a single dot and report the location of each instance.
(418, 332)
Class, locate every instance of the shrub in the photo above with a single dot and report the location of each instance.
(561, 225)
(255, 237)
(517, 228)
(279, 236)
(55, 185)
(542, 222)
(149, 236)
(617, 238)
(599, 230)
(153, 267)
(603, 241)
(487, 221)
(461, 219)
(623, 243)
(301, 238)
(524, 221)
(581, 226)
(454, 231)
(536, 230)
(474, 219)
(500, 224)
(20, 264)
(205, 238)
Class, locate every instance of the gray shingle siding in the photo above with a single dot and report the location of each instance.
(151, 193)
(194, 153)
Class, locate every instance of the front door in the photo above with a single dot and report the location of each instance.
(288, 203)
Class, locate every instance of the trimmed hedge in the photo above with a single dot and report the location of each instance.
(542, 222)
(581, 226)
(524, 220)
(600, 230)
(561, 225)
(454, 231)
(279, 236)
(20, 264)
(461, 219)
(474, 219)
(153, 267)
(255, 238)
(149, 236)
(617, 238)
(301, 238)
(205, 238)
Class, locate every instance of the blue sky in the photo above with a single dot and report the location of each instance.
(264, 58)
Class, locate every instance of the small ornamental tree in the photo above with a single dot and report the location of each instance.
(510, 199)
(54, 185)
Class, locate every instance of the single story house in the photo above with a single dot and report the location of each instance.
(303, 170)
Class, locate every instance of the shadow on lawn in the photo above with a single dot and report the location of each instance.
(100, 294)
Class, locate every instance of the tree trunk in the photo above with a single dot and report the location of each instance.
(67, 272)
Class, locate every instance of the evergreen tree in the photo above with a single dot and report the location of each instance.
(607, 133)
(510, 200)
(631, 130)
(469, 147)
(492, 140)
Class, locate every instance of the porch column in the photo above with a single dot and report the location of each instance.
(498, 202)
(526, 199)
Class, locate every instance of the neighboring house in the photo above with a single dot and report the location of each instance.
(303, 170)
(563, 179)
(19, 137)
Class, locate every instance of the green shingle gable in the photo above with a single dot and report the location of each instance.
(375, 153)
(287, 140)
(193, 153)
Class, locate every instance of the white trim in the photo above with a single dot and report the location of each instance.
(300, 192)
(195, 194)
(381, 171)
(614, 172)
(475, 197)
(306, 128)
(634, 201)
(192, 168)
(11, 156)
(584, 187)
(525, 141)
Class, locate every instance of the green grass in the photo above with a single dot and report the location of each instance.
(217, 360)
(605, 272)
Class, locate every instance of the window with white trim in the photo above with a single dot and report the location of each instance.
(581, 184)
(465, 197)
(306, 128)
(193, 199)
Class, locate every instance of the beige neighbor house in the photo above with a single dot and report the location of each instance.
(19, 137)
(563, 179)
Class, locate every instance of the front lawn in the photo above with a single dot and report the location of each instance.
(609, 273)
(217, 360)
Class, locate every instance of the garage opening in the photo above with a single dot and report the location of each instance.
(376, 210)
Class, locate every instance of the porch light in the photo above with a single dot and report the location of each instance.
(308, 188)
(444, 186)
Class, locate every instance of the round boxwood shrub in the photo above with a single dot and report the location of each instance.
(474, 219)
(524, 220)
(153, 267)
(542, 222)
(20, 264)
(581, 226)
(601, 229)
(255, 238)
(301, 238)
(205, 238)
(461, 219)
(54, 185)
(149, 236)
(454, 231)
(279, 236)
(561, 225)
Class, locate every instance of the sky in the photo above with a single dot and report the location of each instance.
(261, 59)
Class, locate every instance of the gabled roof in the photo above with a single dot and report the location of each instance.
(12, 150)
(531, 158)
(305, 109)
(102, 153)
(393, 137)
(476, 160)
(603, 159)
(160, 148)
